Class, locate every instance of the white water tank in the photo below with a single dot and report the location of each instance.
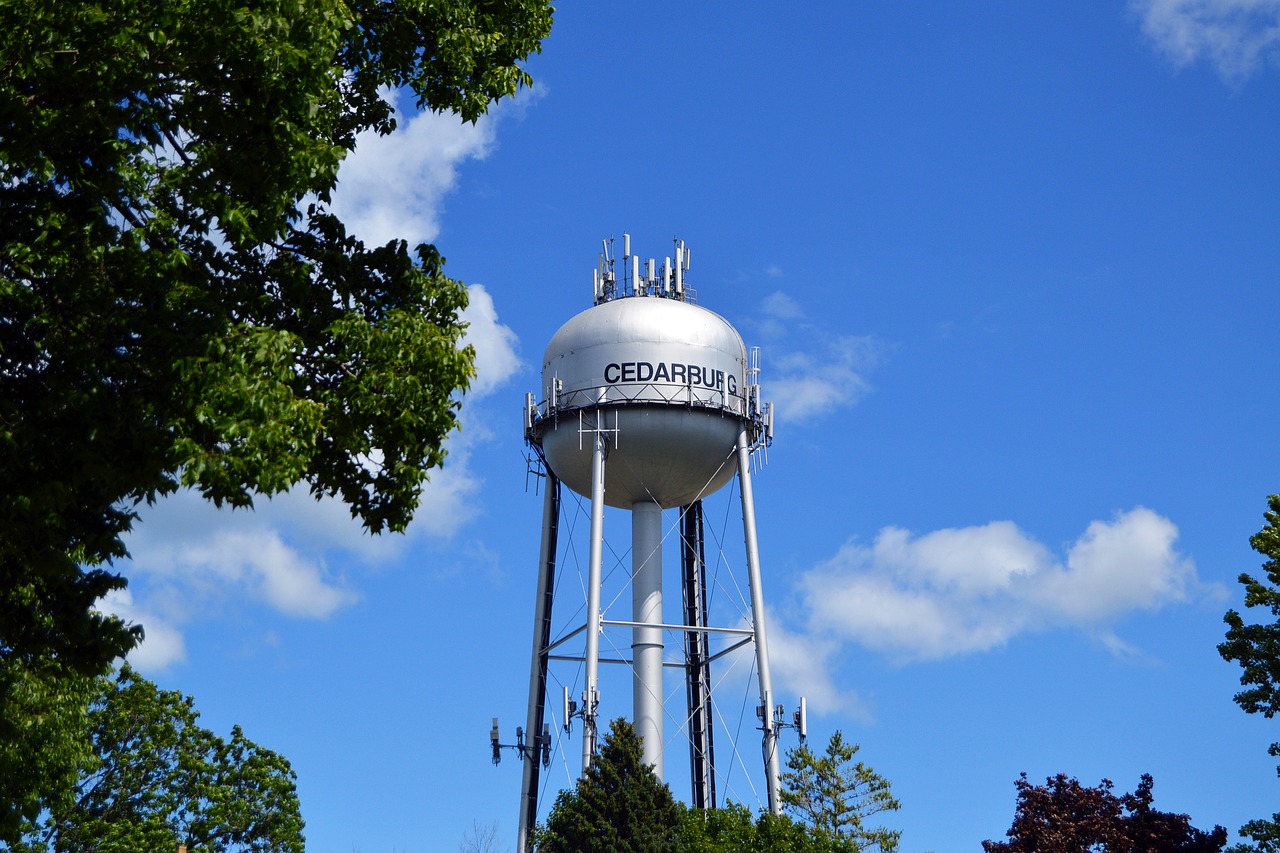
(669, 375)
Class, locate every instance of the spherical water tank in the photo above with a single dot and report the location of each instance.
(669, 375)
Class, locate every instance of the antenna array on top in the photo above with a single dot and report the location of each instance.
(641, 279)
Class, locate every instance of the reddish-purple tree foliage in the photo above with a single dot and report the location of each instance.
(1064, 816)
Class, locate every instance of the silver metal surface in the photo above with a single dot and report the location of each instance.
(646, 637)
(591, 693)
(769, 746)
(670, 375)
(646, 349)
(671, 456)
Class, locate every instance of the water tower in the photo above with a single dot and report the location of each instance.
(649, 403)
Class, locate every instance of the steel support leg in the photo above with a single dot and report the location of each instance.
(697, 651)
(770, 741)
(538, 666)
(591, 692)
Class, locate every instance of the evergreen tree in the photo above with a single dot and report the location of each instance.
(836, 795)
(618, 806)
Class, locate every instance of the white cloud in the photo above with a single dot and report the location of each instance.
(807, 370)
(1233, 35)
(802, 666)
(162, 645)
(781, 306)
(968, 560)
(497, 347)
(809, 384)
(449, 501)
(880, 614)
(956, 591)
(393, 187)
(256, 564)
(191, 562)
(196, 557)
(1119, 567)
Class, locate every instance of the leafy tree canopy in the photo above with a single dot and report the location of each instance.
(42, 753)
(1256, 647)
(1064, 816)
(618, 805)
(836, 795)
(178, 306)
(153, 778)
(732, 829)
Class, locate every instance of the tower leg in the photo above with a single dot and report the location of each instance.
(646, 641)
(697, 652)
(591, 692)
(770, 743)
(538, 666)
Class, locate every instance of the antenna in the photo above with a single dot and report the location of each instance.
(764, 711)
(639, 279)
(799, 719)
(626, 254)
(682, 264)
(524, 750)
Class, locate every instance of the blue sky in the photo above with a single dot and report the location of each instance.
(1007, 264)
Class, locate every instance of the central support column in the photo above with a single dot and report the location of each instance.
(646, 641)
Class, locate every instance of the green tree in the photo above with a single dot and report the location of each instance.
(42, 752)
(1256, 647)
(732, 829)
(618, 805)
(154, 779)
(1064, 816)
(178, 305)
(836, 795)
